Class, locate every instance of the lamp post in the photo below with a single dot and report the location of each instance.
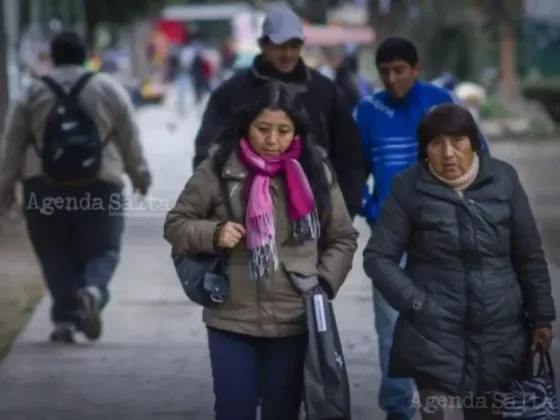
(80, 17)
(4, 79)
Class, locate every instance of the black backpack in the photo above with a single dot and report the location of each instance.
(72, 148)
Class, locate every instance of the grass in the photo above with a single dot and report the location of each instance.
(494, 108)
(21, 284)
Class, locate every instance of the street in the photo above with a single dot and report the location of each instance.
(152, 362)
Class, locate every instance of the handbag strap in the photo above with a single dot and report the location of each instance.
(544, 366)
(223, 254)
(224, 192)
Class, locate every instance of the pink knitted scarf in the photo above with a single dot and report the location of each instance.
(259, 216)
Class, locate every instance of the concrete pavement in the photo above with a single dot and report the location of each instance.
(152, 360)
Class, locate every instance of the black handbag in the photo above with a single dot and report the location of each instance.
(204, 277)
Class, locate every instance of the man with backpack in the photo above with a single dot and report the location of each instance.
(69, 139)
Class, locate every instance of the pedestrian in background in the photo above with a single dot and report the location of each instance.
(330, 116)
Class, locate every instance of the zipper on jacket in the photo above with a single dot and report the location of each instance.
(479, 373)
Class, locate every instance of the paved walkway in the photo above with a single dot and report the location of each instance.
(152, 361)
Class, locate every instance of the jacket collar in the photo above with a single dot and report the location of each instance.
(234, 168)
(68, 70)
(264, 72)
(429, 184)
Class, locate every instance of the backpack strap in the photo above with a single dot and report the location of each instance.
(54, 87)
(80, 84)
(74, 92)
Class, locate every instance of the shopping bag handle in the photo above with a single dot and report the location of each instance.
(545, 366)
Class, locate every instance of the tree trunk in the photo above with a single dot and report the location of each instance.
(508, 60)
(388, 18)
(315, 11)
(383, 22)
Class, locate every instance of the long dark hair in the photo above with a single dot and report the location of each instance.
(276, 95)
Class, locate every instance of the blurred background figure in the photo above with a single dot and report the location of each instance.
(40, 64)
(201, 73)
(181, 78)
(344, 75)
(473, 96)
(352, 63)
(228, 56)
(446, 80)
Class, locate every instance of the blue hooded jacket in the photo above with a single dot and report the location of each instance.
(388, 131)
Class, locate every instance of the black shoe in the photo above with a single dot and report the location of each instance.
(91, 322)
(63, 333)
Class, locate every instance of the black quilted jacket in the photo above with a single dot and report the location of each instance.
(476, 279)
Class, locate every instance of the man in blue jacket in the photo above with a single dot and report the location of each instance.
(388, 120)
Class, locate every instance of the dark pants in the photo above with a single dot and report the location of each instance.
(76, 234)
(201, 87)
(246, 369)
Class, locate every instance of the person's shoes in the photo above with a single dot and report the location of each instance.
(91, 324)
(63, 333)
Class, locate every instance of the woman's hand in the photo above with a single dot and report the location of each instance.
(230, 235)
(542, 336)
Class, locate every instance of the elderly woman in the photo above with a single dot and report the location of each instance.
(475, 293)
(293, 222)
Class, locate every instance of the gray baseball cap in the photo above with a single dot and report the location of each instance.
(281, 25)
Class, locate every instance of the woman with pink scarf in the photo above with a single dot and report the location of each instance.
(291, 232)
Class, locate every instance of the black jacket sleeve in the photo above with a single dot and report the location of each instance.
(528, 258)
(385, 249)
(346, 154)
(215, 115)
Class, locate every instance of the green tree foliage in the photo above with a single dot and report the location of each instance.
(120, 11)
(510, 10)
(117, 12)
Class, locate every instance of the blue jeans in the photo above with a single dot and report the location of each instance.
(76, 235)
(182, 86)
(247, 369)
(395, 395)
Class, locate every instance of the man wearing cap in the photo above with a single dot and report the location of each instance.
(332, 123)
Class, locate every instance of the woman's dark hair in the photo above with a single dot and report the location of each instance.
(276, 95)
(396, 48)
(450, 120)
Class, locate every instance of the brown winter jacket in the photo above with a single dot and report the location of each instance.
(271, 307)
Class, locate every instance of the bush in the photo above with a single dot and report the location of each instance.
(494, 108)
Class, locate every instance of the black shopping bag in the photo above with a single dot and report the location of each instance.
(327, 391)
(532, 398)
